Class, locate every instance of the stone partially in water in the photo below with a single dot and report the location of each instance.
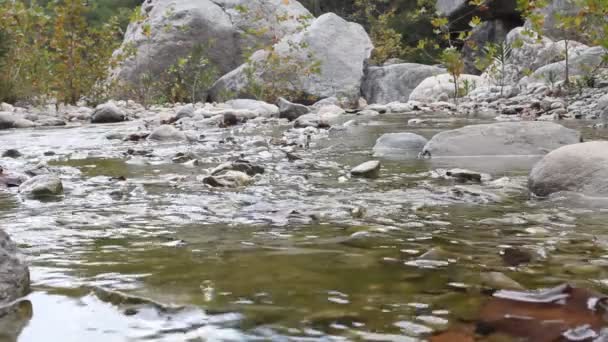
(12, 153)
(399, 145)
(229, 179)
(167, 133)
(42, 187)
(499, 281)
(14, 273)
(370, 169)
(502, 139)
(291, 111)
(580, 168)
(107, 113)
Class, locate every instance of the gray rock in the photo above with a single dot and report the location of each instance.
(11, 153)
(370, 169)
(395, 83)
(260, 108)
(580, 168)
(602, 102)
(186, 111)
(107, 113)
(291, 111)
(239, 165)
(530, 53)
(341, 48)
(9, 120)
(49, 121)
(502, 139)
(14, 273)
(221, 25)
(436, 88)
(229, 179)
(461, 12)
(399, 145)
(42, 187)
(167, 133)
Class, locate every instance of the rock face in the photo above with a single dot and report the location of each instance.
(223, 26)
(42, 187)
(107, 113)
(395, 83)
(340, 48)
(551, 27)
(531, 53)
(580, 64)
(502, 139)
(399, 145)
(580, 168)
(14, 274)
(441, 87)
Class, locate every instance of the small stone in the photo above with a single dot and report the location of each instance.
(41, 187)
(370, 169)
(12, 153)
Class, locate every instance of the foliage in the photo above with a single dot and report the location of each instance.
(54, 52)
(25, 71)
(452, 60)
(279, 72)
(82, 54)
(191, 76)
(495, 60)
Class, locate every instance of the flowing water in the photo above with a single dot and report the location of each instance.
(299, 255)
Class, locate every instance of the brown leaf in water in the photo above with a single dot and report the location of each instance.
(536, 316)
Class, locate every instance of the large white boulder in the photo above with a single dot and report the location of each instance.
(340, 48)
(580, 168)
(441, 87)
(524, 138)
(228, 29)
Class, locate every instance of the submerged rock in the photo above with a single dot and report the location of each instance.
(11, 153)
(399, 145)
(14, 273)
(502, 139)
(580, 168)
(239, 165)
(107, 113)
(370, 169)
(42, 187)
(167, 133)
(228, 179)
(499, 281)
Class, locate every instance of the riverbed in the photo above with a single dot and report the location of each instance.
(139, 249)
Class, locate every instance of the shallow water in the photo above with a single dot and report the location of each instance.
(285, 258)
